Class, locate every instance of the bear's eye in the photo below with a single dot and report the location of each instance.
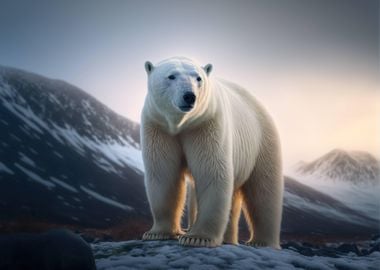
(171, 77)
(199, 79)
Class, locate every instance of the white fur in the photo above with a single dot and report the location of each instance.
(227, 144)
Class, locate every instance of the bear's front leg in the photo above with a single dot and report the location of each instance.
(164, 182)
(210, 162)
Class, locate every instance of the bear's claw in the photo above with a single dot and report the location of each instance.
(261, 244)
(195, 241)
(256, 244)
(159, 236)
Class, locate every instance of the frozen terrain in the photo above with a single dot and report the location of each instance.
(168, 255)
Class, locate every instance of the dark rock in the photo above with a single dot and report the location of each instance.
(307, 251)
(375, 247)
(364, 252)
(346, 248)
(88, 238)
(375, 237)
(302, 249)
(107, 238)
(305, 244)
(54, 250)
(327, 252)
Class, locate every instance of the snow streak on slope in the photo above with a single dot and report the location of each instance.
(63, 184)
(4, 168)
(105, 199)
(32, 176)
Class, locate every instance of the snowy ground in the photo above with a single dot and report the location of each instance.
(169, 255)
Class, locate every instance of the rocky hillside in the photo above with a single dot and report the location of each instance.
(312, 213)
(64, 156)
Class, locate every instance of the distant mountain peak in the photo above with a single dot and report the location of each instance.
(349, 166)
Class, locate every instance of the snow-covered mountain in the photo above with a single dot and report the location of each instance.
(352, 178)
(64, 156)
(356, 167)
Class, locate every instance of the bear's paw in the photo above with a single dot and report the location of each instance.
(160, 236)
(259, 244)
(196, 241)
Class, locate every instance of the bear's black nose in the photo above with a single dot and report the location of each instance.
(189, 98)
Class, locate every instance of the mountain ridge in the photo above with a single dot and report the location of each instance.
(356, 167)
(27, 82)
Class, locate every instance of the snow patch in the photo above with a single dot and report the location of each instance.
(24, 158)
(4, 122)
(11, 100)
(75, 218)
(4, 168)
(15, 137)
(35, 177)
(105, 199)
(87, 105)
(64, 185)
(54, 99)
(58, 154)
(86, 121)
(119, 152)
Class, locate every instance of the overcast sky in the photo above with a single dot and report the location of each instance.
(314, 64)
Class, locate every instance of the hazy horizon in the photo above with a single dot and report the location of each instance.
(313, 64)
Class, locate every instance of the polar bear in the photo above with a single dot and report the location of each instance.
(215, 132)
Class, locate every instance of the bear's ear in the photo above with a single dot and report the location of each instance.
(148, 67)
(208, 69)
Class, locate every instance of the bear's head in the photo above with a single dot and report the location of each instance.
(177, 85)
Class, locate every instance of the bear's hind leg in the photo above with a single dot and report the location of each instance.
(262, 195)
(231, 236)
(191, 204)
